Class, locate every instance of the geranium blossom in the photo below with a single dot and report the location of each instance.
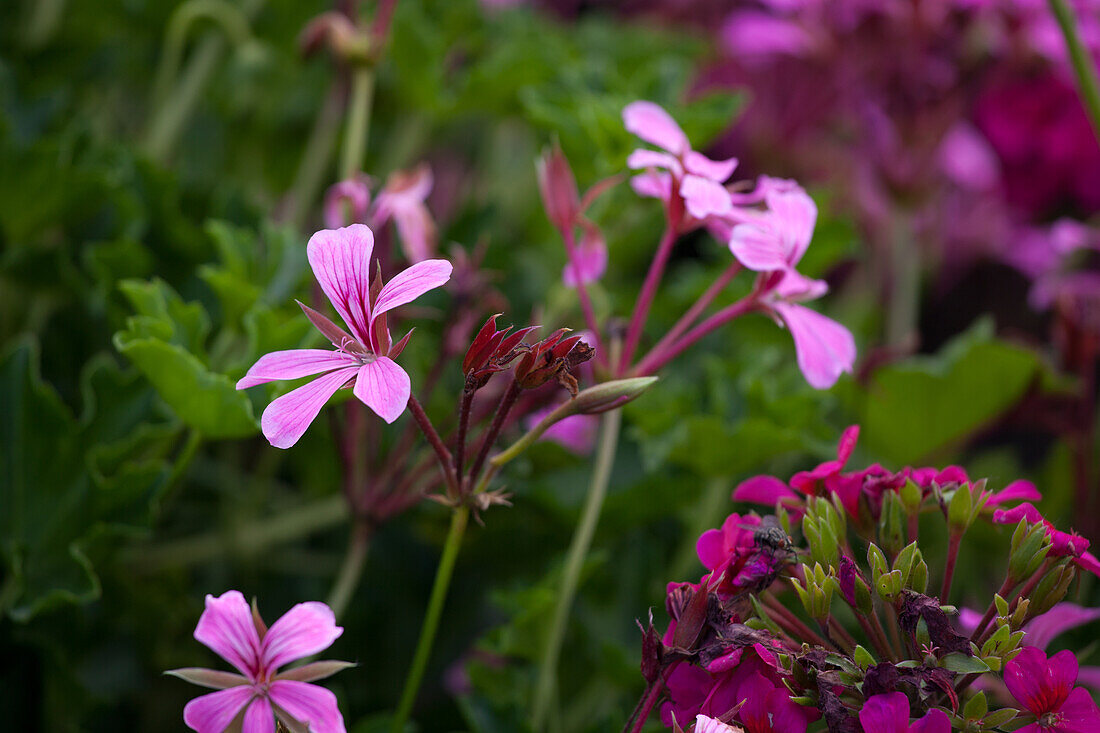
(363, 359)
(889, 713)
(704, 724)
(1062, 544)
(694, 176)
(229, 627)
(1046, 688)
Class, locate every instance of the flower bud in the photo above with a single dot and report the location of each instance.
(1029, 553)
(558, 188)
(960, 510)
(892, 524)
(1052, 588)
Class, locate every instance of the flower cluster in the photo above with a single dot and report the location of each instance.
(790, 625)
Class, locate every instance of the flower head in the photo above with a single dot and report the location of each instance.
(1046, 688)
(704, 724)
(236, 632)
(889, 713)
(403, 200)
(676, 167)
(364, 358)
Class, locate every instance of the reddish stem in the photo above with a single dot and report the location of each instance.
(657, 359)
(649, 288)
(463, 425)
(430, 433)
(505, 406)
(648, 703)
(949, 571)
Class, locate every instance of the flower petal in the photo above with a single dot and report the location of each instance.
(703, 197)
(1079, 713)
(589, 260)
(308, 704)
(259, 717)
(886, 713)
(214, 712)
(646, 158)
(384, 387)
(654, 185)
(340, 259)
(287, 417)
(1041, 685)
(715, 170)
(304, 630)
(226, 627)
(1040, 631)
(417, 232)
(757, 248)
(825, 349)
(934, 721)
(294, 364)
(651, 123)
(794, 215)
(411, 283)
(1020, 489)
(763, 490)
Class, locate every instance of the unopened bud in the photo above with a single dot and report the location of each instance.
(1052, 588)
(558, 188)
(1029, 554)
(892, 524)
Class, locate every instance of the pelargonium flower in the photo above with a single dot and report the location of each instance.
(1062, 544)
(354, 193)
(402, 199)
(1046, 688)
(589, 258)
(693, 176)
(889, 713)
(704, 724)
(262, 693)
(363, 360)
(778, 237)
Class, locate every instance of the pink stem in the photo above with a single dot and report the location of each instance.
(649, 288)
(582, 291)
(655, 360)
(651, 699)
(696, 309)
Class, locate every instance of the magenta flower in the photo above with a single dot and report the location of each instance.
(1062, 544)
(694, 176)
(1046, 688)
(363, 360)
(230, 628)
(889, 713)
(777, 238)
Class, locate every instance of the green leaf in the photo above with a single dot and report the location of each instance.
(963, 664)
(918, 406)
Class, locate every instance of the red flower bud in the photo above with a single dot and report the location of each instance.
(558, 188)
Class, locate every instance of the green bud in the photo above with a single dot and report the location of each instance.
(889, 586)
(910, 495)
(1001, 604)
(1053, 587)
(1029, 554)
(892, 524)
(918, 579)
(1020, 615)
(958, 510)
(877, 560)
(905, 559)
(864, 603)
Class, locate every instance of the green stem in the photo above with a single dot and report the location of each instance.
(707, 513)
(1083, 67)
(582, 540)
(315, 158)
(459, 520)
(351, 570)
(355, 135)
(249, 538)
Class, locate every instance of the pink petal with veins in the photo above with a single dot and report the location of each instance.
(214, 712)
(303, 631)
(340, 259)
(411, 283)
(294, 364)
(654, 125)
(259, 717)
(226, 627)
(384, 387)
(286, 419)
(825, 349)
(308, 704)
(703, 197)
(715, 170)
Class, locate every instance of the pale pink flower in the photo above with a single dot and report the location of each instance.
(352, 193)
(363, 360)
(229, 627)
(590, 259)
(825, 349)
(778, 237)
(402, 199)
(705, 724)
(696, 178)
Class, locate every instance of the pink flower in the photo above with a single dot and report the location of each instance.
(590, 259)
(889, 713)
(402, 199)
(1062, 544)
(704, 724)
(363, 360)
(1046, 688)
(694, 176)
(231, 629)
(777, 238)
(352, 192)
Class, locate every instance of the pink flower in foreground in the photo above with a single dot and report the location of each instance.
(1046, 688)
(889, 713)
(694, 176)
(363, 360)
(229, 627)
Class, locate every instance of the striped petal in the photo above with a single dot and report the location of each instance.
(340, 259)
(294, 364)
(286, 419)
(226, 627)
(384, 387)
(302, 631)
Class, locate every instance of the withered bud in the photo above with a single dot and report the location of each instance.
(492, 351)
(651, 651)
(337, 32)
(554, 357)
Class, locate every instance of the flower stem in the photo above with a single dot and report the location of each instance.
(351, 569)
(358, 127)
(657, 359)
(315, 159)
(505, 406)
(949, 569)
(1083, 68)
(645, 298)
(435, 441)
(459, 520)
(697, 308)
(979, 630)
(648, 704)
(463, 426)
(578, 549)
